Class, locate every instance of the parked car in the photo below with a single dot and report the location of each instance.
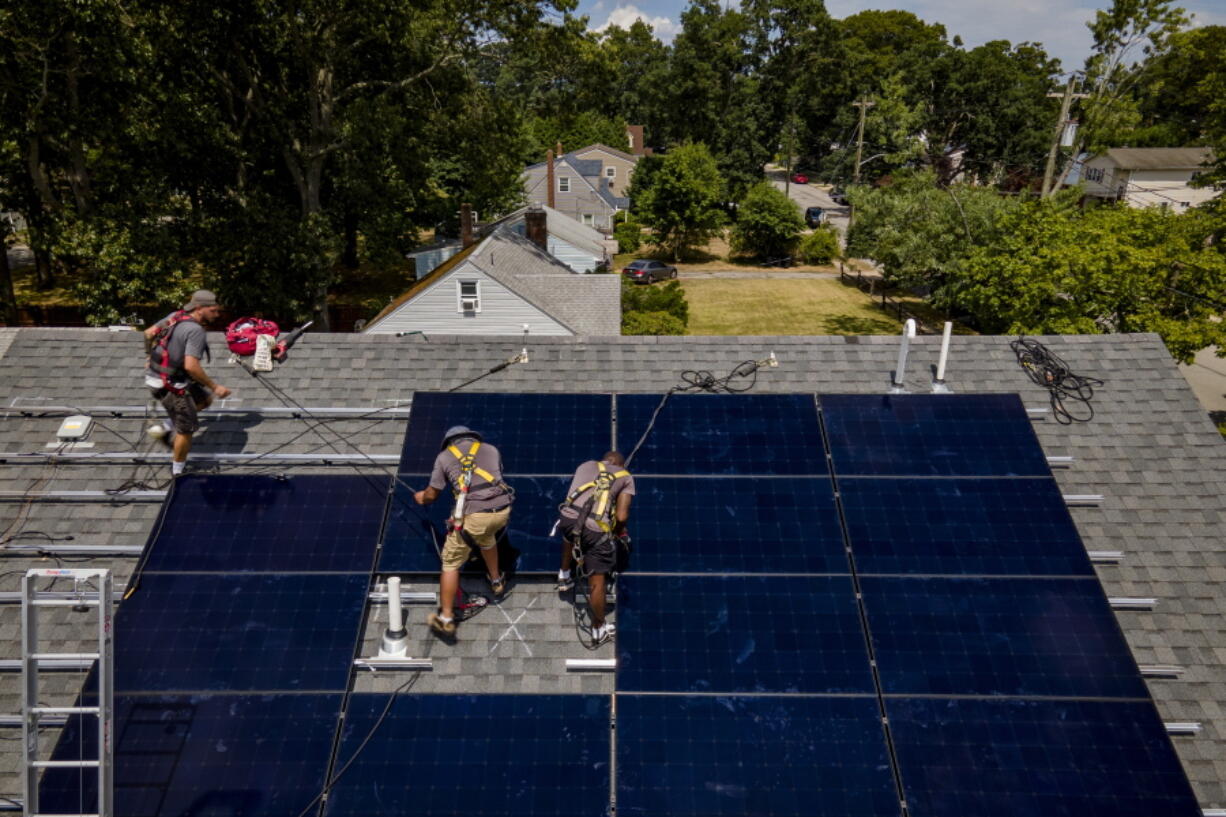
(799, 178)
(838, 195)
(815, 216)
(645, 272)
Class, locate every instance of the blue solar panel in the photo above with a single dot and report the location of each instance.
(476, 755)
(201, 755)
(736, 524)
(186, 632)
(1026, 758)
(740, 634)
(710, 756)
(723, 434)
(1016, 527)
(536, 433)
(1049, 637)
(932, 435)
(248, 523)
(409, 545)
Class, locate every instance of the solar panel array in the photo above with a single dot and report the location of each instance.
(837, 605)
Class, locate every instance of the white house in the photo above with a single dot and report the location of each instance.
(1148, 177)
(582, 248)
(499, 284)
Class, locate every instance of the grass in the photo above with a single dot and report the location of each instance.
(717, 255)
(782, 306)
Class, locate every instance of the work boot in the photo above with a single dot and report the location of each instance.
(442, 627)
(498, 586)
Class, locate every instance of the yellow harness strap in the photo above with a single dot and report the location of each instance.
(468, 466)
(603, 484)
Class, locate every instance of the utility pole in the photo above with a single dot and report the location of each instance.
(1070, 93)
(863, 105)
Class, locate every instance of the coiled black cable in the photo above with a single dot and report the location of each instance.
(1046, 369)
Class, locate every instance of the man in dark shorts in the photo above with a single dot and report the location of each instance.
(175, 377)
(473, 469)
(594, 516)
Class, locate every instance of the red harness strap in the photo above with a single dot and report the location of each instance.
(159, 361)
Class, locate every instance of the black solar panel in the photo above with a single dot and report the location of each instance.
(187, 632)
(1043, 758)
(478, 755)
(1041, 637)
(263, 523)
(201, 755)
(932, 435)
(736, 524)
(968, 526)
(784, 756)
(740, 634)
(536, 433)
(723, 434)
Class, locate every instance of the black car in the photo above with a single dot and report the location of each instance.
(815, 216)
(645, 272)
(838, 195)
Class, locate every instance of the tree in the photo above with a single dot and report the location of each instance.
(683, 203)
(651, 323)
(669, 298)
(768, 222)
(819, 247)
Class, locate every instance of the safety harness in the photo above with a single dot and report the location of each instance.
(468, 469)
(159, 358)
(599, 508)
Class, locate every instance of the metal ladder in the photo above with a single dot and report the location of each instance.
(100, 595)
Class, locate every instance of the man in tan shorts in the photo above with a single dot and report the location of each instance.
(473, 469)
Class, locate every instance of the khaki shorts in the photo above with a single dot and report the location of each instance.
(483, 527)
(183, 408)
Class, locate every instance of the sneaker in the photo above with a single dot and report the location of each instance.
(162, 433)
(564, 584)
(603, 635)
(499, 585)
(441, 627)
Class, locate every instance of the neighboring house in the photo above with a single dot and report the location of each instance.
(427, 259)
(616, 166)
(1148, 177)
(576, 187)
(583, 249)
(498, 285)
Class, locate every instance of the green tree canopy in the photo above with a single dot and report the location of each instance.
(768, 222)
(682, 205)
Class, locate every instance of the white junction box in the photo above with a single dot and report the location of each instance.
(74, 427)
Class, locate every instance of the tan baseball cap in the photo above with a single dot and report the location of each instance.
(201, 297)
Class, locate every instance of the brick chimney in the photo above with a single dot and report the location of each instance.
(634, 135)
(549, 185)
(558, 150)
(535, 227)
(466, 225)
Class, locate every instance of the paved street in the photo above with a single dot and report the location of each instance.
(809, 195)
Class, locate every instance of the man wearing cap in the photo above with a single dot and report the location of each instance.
(473, 468)
(177, 380)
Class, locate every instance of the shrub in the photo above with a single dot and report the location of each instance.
(819, 247)
(767, 222)
(651, 323)
(668, 298)
(629, 236)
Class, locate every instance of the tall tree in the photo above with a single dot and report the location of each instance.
(682, 204)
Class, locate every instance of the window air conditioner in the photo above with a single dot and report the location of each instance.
(468, 304)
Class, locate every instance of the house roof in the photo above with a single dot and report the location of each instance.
(621, 154)
(559, 224)
(1160, 158)
(1150, 451)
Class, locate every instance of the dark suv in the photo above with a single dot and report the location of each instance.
(815, 216)
(644, 272)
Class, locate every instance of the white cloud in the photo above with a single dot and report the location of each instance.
(624, 16)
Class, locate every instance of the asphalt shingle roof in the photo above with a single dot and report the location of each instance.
(1150, 450)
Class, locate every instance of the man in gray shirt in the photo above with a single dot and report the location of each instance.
(175, 377)
(483, 505)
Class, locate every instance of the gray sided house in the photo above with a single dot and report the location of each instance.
(498, 285)
(583, 249)
(580, 188)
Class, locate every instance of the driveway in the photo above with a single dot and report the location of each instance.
(1207, 377)
(810, 195)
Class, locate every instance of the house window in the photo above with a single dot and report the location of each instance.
(610, 172)
(1094, 174)
(563, 184)
(468, 296)
(588, 219)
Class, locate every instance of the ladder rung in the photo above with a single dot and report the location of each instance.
(86, 602)
(65, 764)
(65, 710)
(67, 656)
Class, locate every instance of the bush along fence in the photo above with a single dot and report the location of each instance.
(890, 306)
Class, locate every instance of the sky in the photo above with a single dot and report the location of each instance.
(1058, 24)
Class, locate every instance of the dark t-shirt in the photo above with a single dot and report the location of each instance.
(187, 338)
(482, 495)
(586, 473)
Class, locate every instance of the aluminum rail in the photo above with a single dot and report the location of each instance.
(277, 412)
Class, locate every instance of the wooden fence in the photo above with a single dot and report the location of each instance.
(890, 306)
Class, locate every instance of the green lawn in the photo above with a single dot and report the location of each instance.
(782, 306)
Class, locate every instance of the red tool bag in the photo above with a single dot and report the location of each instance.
(241, 335)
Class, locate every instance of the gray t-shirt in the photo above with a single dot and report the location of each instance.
(586, 473)
(482, 494)
(187, 338)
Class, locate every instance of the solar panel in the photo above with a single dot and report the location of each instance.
(409, 546)
(723, 434)
(504, 755)
(964, 526)
(248, 523)
(786, 756)
(188, 632)
(1043, 758)
(932, 435)
(201, 755)
(1035, 637)
(536, 433)
(736, 524)
(740, 634)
